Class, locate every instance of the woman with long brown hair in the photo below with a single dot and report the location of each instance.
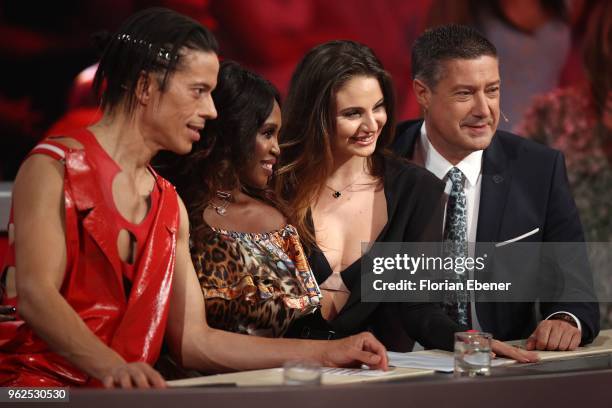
(250, 263)
(342, 187)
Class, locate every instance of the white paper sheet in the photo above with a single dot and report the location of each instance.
(355, 371)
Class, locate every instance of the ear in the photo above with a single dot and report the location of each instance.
(422, 93)
(145, 88)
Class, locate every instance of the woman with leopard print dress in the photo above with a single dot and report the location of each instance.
(251, 266)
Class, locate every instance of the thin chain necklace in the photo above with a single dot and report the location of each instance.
(224, 197)
(337, 193)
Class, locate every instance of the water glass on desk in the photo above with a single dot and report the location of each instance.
(472, 353)
(302, 373)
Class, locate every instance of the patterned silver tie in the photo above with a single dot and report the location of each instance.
(455, 235)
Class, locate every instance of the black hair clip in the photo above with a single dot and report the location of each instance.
(162, 53)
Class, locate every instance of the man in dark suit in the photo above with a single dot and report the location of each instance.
(500, 186)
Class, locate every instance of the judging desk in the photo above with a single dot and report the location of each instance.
(561, 379)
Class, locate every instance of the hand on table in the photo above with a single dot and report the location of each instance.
(554, 335)
(133, 375)
(506, 350)
(362, 348)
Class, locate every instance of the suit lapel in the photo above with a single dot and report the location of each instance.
(496, 180)
(495, 184)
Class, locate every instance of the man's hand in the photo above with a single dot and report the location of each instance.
(133, 375)
(362, 348)
(500, 348)
(554, 335)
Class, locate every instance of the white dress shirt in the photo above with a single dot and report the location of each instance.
(470, 166)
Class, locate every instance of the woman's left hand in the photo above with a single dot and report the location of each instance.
(362, 348)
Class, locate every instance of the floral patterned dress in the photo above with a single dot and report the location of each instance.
(253, 283)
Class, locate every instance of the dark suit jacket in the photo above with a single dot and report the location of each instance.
(524, 186)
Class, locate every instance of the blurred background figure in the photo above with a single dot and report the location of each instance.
(82, 106)
(45, 54)
(41, 53)
(533, 40)
(578, 121)
(43, 57)
(270, 36)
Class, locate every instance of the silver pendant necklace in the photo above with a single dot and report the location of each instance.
(224, 197)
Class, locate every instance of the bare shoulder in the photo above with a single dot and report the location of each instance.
(38, 204)
(40, 179)
(66, 141)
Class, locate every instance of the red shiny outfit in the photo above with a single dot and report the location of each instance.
(133, 324)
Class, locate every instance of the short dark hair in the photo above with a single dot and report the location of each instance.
(439, 44)
(148, 41)
(244, 100)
